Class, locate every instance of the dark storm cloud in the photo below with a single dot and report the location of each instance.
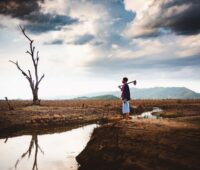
(186, 22)
(81, 40)
(183, 22)
(39, 22)
(19, 8)
(55, 42)
(98, 43)
(29, 10)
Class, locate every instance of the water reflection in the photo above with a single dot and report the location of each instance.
(33, 142)
(149, 114)
(49, 151)
(6, 140)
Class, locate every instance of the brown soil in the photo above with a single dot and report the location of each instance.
(143, 145)
(54, 116)
(171, 142)
(26, 118)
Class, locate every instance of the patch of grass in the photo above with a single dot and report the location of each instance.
(169, 114)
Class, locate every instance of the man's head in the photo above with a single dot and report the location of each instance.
(124, 80)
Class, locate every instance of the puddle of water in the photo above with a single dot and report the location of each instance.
(148, 115)
(55, 151)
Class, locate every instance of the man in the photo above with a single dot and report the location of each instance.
(125, 98)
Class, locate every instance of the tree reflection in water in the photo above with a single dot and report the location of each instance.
(6, 140)
(34, 141)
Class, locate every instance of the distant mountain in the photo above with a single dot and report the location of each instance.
(81, 98)
(164, 93)
(153, 93)
(102, 97)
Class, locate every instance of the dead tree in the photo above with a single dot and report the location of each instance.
(34, 82)
(9, 105)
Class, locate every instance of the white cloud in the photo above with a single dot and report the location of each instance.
(137, 27)
(138, 6)
(188, 46)
(92, 17)
(55, 6)
(9, 22)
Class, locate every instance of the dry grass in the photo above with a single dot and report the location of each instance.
(66, 112)
(171, 107)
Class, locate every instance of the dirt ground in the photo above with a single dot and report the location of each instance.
(54, 115)
(71, 113)
(143, 145)
(171, 142)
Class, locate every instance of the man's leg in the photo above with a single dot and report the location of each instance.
(127, 115)
(128, 110)
(123, 109)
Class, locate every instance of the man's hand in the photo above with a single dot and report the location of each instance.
(124, 100)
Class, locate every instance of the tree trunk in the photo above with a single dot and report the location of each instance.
(36, 101)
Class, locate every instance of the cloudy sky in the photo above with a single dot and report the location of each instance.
(89, 45)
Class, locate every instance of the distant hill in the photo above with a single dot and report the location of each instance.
(164, 93)
(101, 97)
(140, 93)
(151, 93)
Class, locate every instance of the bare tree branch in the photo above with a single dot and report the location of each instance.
(23, 72)
(29, 72)
(29, 53)
(23, 31)
(41, 79)
(37, 57)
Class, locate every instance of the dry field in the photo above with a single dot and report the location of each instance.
(58, 113)
(171, 142)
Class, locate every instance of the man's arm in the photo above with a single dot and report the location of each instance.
(120, 87)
